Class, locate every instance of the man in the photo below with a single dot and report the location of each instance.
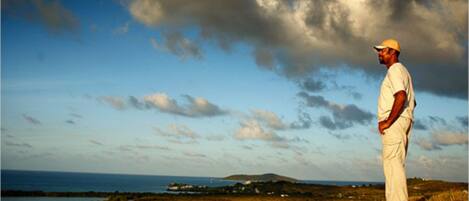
(396, 105)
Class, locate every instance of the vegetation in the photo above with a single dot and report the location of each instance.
(257, 178)
(419, 190)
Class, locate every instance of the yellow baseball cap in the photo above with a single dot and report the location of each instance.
(388, 43)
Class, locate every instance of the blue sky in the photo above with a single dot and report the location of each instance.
(149, 87)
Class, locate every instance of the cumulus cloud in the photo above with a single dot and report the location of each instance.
(344, 116)
(269, 118)
(164, 103)
(51, 14)
(450, 138)
(264, 58)
(273, 121)
(442, 138)
(328, 123)
(297, 38)
(252, 130)
(134, 102)
(31, 120)
(304, 121)
(199, 106)
(196, 107)
(437, 123)
(313, 100)
(312, 85)
(325, 81)
(178, 45)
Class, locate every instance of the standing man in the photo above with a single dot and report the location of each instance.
(396, 105)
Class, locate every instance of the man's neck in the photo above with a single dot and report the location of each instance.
(392, 62)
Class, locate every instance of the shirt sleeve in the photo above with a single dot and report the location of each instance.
(397, 80)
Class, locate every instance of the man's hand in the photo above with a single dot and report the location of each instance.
(383, 125)
(397, 107)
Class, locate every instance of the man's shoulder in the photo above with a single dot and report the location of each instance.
(397, 68)
(397, 65)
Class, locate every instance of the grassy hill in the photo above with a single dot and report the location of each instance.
(263, 178)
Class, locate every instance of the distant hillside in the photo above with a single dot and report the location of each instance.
(264, 177)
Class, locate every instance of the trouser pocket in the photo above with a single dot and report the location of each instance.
(391, 151)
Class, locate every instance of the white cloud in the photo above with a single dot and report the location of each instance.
(269, 118)
(442, 138)
(196, 107)
(182, 130)
(199, 106)
(450, 138)
(163, 102)
(149, 12)
(298, 38)
(252, 130)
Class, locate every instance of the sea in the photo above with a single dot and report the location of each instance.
(49, 181)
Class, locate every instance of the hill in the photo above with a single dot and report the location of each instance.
(262, 178)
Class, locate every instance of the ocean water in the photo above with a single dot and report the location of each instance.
(49, 199)
(84, 182)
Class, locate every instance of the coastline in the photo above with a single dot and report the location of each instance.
(418, 189)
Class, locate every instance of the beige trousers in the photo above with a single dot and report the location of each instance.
(395, 141)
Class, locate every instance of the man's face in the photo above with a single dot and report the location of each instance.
(383, 55)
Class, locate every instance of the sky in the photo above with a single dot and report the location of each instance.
(214, 88)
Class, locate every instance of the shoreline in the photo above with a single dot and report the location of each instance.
(418, 188)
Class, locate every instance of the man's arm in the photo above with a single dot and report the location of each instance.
(397, 107)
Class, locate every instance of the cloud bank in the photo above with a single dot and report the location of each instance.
(51, 14)
(297, 38)
(195, 106)
(343, 116)
(441, 139)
